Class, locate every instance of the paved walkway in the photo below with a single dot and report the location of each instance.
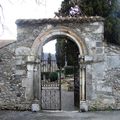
(67, 97)
(15, 115)
(67, 100)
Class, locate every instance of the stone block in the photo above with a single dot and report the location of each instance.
(94, 23)
(99, 50)
(89, 89)
(2, 84)
(93, 93)
(98, 70)
(113, 61)
(109, 101)
(20, 62)
(20, 72)
(31, 58)
(99, 44)
(89, 68)
(24, 82)
(83, 106)
(103, 88)
(35, 107)
(22, 51)
(87, 29)
(89, 77)
(88, 58)
(87, 39)
(30, 67)
(100, 29)
(99, 58)
(29, 92)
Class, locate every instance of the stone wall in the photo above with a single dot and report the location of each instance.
(107, 84)
(18, 64)
(11, 90)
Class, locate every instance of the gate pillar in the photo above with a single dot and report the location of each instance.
(82, 78)
(33, 74)
(85, 61)
(30, 69)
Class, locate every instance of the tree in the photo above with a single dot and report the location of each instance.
(60, 52)
(49, 62)
(109, 9)
(90, 7)
(49, 59)
(65, 7)
(66, 52)
(72, 53)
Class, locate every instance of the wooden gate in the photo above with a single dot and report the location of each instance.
(50, 86)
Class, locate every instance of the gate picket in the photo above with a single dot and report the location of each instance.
(51, 90)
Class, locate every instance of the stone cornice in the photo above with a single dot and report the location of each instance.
(60, 20)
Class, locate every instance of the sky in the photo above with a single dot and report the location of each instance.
(50, 47)
(25, 9)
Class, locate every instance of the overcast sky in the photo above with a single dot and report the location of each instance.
(25, 9)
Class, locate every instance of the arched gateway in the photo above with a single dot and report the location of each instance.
(51, 95)
(87, 33)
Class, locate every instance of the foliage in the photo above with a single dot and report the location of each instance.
(72, 53)
(66, 52)
(69, 70)
(65, 7)
(60, 52)
(112, 30)
(46, 74)
(53, 76)
(89, 7)
(49, 59)
(109, 9)
(97, 7)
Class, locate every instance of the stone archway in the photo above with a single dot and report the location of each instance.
(46, 37)
(61, 30)
(86, 32)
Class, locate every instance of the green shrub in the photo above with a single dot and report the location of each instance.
(69, 70)
(53, 76)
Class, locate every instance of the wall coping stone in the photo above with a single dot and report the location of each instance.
(84, 19)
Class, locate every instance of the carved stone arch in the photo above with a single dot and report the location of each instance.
(49, 35)
(58, 31)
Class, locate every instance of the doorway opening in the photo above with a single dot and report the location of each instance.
(60, 75)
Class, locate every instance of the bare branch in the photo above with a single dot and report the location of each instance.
(2, 11)
(42, 2)
(1, 20)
